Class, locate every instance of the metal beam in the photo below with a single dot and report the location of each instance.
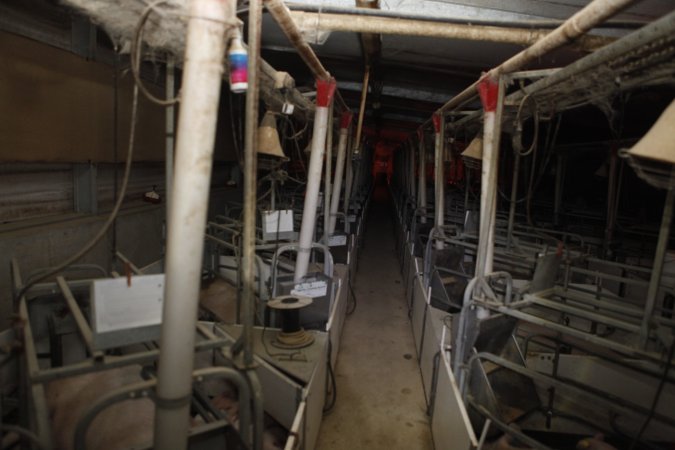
(409, 27)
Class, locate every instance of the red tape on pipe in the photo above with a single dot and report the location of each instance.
(436, 118)
(324, 92)
(488, 89)
(346, 119)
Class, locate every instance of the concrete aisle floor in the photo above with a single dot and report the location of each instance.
(380, 401)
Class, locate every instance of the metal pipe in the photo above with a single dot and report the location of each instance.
(542, 23)
(422, 179)
(559, 184)
(439, 181)
(411, 171)
(349, 176)
(202, 79)
(170, 90)
(611, 202)
(492, 97)
(327, 175)
(657, 270)
(514, 196)
(324, 96)
(339, 169)
(282, 15)
(362, 110)
(584, 20)
(307, 21)
(250, 179)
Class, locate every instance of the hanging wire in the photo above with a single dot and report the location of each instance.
(136, 44)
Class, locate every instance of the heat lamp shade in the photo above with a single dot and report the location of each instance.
(659, 142)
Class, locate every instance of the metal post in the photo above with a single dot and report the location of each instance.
(514, 196)
(422, 179)
(202, 77)
(325, 90)
(362, 109)
(559, 184)
(411, 170)
(611, 201)
(339, 169)
(657, 270)
(170, 128)
(250, 178)
(327, 175)
(492, 98)
(439, 177)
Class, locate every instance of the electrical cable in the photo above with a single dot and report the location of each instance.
(657, 396)
(516, 141)
(136, 60)
(113, 214)
(351, 290)
(333, 399)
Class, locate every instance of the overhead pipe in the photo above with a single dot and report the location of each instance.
(422, 179)
(282, 15)
(439, 181)
(203, 70)
(324, 95)
(580, 23)
(345, 121)
(410, 27)
(545, 23)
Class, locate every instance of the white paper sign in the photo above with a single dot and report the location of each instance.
(283, 218)
(119, 306)
(311, 289)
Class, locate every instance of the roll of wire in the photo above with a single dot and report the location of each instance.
(292, 335)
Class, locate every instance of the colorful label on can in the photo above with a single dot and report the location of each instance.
(238, 68)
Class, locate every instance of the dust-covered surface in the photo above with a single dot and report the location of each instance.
(164, 30)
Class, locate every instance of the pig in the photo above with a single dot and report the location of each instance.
(596, 442)
(505, 442)
(121, 426)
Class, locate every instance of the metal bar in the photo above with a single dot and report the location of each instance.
(111, 362)
(588, 17)
(282, 15)
(202, 78)
(659, 29)
(362, 109)
(553, 326)
(169, 118)
(607, 400)
(514, 197)
(82, 324)
(422, 180)
(439, 178)
(327, 176)
(309, 21)
(37, 394)
(585, 314)
(339, 171)
(250, 177)
(657, 270)
(491, 136)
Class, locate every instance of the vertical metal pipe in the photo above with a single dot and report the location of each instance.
(324, 96)
(467, 185)
(250, 177)
(559, 184)
(611, 201)
(514, 197)
(411, 170)
(327, 175)
(657, 269)
(439, 177)
(339, 169)
(349, 176)
(202, 78)
(492, 96)
(170, 126)
(362, 110)
(422, 179)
